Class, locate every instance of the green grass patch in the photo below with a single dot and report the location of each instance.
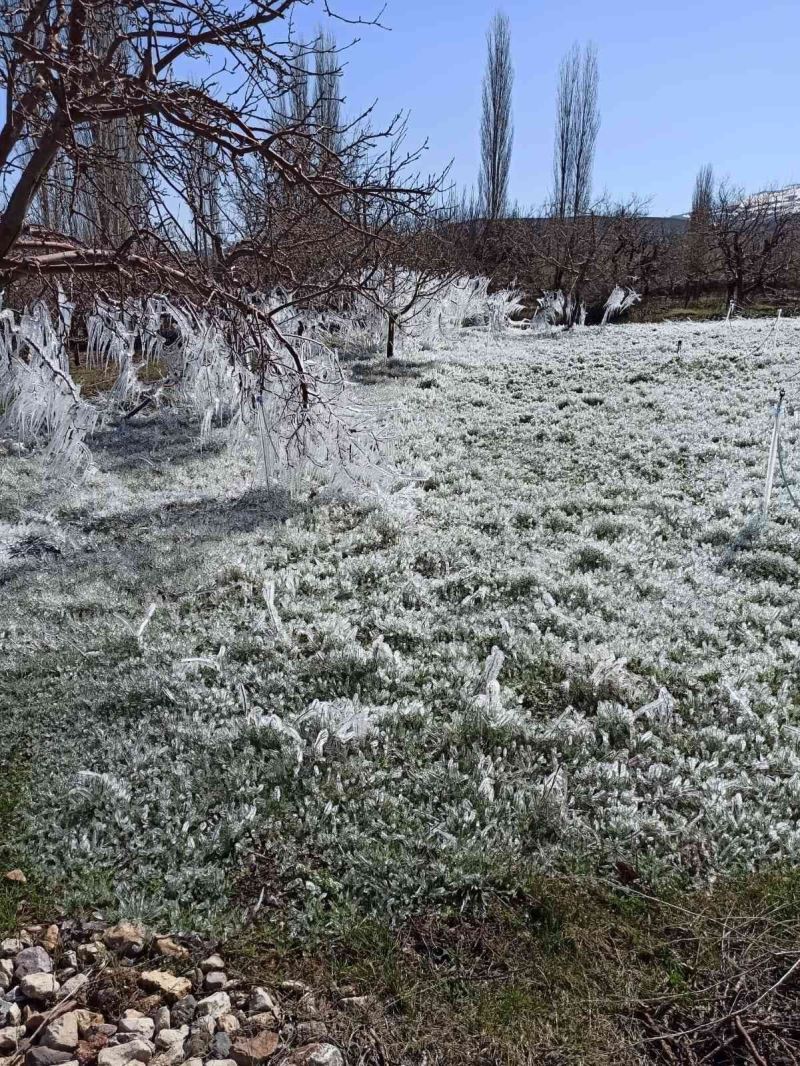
(571, 967)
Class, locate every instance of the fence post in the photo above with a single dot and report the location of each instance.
(773, 454)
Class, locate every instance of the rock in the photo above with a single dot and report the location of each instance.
(131, 1013)
(228, 1023)
(358, 1004)
(62, 1033)
(73, 985)
(171, 1057)
(308, 1032)
(193, 1062)
(206, 1024)
(6, 974)
(144, 1028)
(213, 962)
(162, 1019)
(70, 958)
(253, 1050)
(10, 1037)
(92, 952)
(308, 1006)
(10, 1014)
(220, 1046)
(125, 937)
(10, 947)
(214, 1006)
(316, 1055)
(50, 938)
(215, 981)
(87, 1019)
(182, 1012)
(261, 1000)
(32, 1019)
(135, 1051)
(197, 1045)
(30, 961)
(104, 1030)
(46, 1056)
(294, 986)
(150, 1003)
(220, 1062)
(16, 875)
(39, 986)
(168, 1038)
(167, 983)
(265, 1020)
(165, 945)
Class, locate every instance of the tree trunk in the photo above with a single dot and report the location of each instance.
(390, 336)
(13, 217)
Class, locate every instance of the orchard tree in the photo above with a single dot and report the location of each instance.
(143, 107)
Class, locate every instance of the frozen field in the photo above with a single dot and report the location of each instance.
(351, 741)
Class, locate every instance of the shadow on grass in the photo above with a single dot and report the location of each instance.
(378, 370)
(161, 441)
(143, 547)
(206, 517)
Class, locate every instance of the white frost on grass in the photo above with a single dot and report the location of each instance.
(554, 654)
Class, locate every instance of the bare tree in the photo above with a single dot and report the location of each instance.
(61, 80)
(585, 132)
(563, 149)
(327, 89)
(497, 130)
(756, 238)
(698, 238)
(577, 126)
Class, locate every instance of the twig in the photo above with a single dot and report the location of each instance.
(733, 1014)
(753, 1050)
(139, 407)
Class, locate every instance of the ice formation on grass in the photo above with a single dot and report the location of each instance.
(553, 656)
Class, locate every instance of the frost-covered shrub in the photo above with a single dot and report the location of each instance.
(618, 302)
(429, 311)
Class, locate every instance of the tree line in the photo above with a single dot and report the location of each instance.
(205, 150)
(731, 247)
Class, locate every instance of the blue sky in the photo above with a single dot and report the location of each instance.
(680, 85)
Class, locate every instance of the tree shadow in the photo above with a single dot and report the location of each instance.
(205, 517)
(152, 441)
(381, 371)
(159, 546)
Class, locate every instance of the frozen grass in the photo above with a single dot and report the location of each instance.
(315, 708)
